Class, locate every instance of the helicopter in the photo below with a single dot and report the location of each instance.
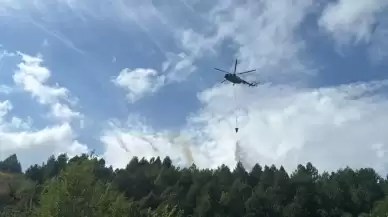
(235, 79)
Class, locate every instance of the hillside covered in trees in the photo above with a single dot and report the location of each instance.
(85, 186)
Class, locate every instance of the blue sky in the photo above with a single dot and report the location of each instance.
(136, 78)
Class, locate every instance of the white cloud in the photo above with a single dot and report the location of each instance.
(331, 127)
(179, 66)
(194, 46)
(12, 122)
(34, 146)
(32, 77)
(63, 112)
(5, 89)
(5, 106)
(17, 123)
(267, 36)
(139, 82)
(352, 21)
(195, 43)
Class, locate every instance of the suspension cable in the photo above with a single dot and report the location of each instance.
(236, 114)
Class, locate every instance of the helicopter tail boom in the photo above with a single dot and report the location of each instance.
(253, 84)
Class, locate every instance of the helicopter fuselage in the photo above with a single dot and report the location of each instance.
(233, 78)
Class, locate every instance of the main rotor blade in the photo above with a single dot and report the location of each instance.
(221, 70)
(235, 67)
(246, 72)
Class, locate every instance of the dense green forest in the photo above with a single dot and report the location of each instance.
(85, 186)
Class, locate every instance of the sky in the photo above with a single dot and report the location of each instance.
(135, 78)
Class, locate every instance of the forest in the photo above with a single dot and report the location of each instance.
(84, 186)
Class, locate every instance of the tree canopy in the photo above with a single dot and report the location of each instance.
(85, 186)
